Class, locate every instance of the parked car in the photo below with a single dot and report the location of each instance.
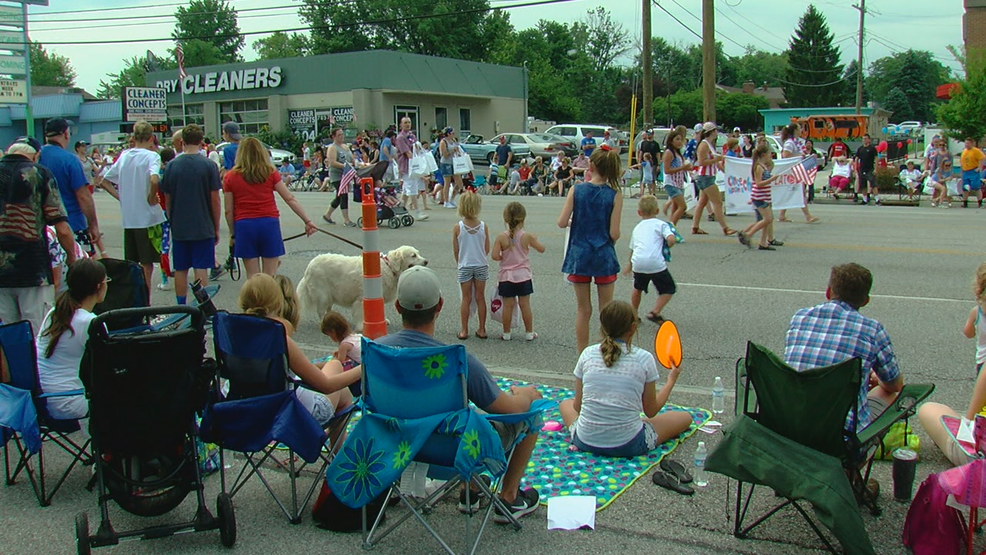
(910, 126)
(277, 155)
(540, 144)
(484, 151)
(575, 132)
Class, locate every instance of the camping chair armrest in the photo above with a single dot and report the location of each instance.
(903, 407)
(71, 393)
(537, 409)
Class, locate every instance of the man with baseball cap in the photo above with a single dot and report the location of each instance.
(419, 301)
(231, 134)
(73, 187)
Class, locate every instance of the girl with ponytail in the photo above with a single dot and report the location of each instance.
(63, 337)
(614, 383)
(511, 250)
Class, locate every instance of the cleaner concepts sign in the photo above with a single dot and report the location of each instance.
(219, 81)
(149, 104)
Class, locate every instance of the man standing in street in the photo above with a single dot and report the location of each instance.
(191, 189)
(30, 201)
(866, 169)
(504, 154)
(410, 187)
(135, 174)
(72, 185)
(231, 134)
(588, 144)
(649, 145)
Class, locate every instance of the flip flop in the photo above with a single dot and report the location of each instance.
(674, 467)
(656, 318)
(462, 337)
(813, 220)
(669, 481)
(697, 231)
(785, 220)
(481, 336)
(727, 232)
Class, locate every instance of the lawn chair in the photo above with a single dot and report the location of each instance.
(32, 427)
(779, 412)
(261, 408)
(416, 408)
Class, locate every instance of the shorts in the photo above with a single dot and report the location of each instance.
(663, 282)
(672, 191)
(137, 246)
(82, 238)
(411, 186)
(200, 255)
(838, 182)
(478, 273)
(509, 433)
(761, 203)
(600, 280)
(341, 201)
(703, 182)
(510, 289)
(258, 238)
(307, 164)
(645, 440)
(446, 169)
(867, 177)
(971, 180)
(322, 409)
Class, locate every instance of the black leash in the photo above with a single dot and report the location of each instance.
(343, 239)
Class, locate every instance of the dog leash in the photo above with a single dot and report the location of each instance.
(343, 239)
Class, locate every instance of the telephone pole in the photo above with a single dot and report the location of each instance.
(708, 60)
(648, 66)
(859, 56)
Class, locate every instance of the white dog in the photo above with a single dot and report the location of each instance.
(337, 280)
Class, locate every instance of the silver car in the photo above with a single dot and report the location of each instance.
(544, 145)
(277, 155)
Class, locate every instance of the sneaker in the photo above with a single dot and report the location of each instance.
(525, 504)
(166, 286)
(420, 216)
(350, 223)
(216, 273)
(475, 497)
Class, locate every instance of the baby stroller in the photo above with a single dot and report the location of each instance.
(144, 389)
(389, 207)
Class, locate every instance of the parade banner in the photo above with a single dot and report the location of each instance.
(786, 192)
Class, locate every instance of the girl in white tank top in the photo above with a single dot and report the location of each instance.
(470, 246)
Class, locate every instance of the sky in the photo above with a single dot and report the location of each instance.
(892, 26)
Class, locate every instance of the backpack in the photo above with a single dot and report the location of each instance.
(931, 526)
(330, 514)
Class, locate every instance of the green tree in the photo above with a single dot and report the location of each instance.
(965, 114)
(281, 45)
(760, 68)
(814, 66)
(601, 39)
(132, 75)
(212, 22)
(50, 70)
(739, 109)
(671, 67)
(916, 74)
(200, 53)
(896, 101)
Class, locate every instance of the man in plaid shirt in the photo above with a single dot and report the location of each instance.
(835, 331)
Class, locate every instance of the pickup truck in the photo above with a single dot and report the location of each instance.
(485, 151)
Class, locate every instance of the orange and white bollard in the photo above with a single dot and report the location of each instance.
(374, 322)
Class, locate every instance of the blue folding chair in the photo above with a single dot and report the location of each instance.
(262, 409)
(418, 397)
(17, 344)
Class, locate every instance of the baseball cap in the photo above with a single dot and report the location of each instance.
(418, 288)
(29, 141)
(648, 131)
(232, 129)
(447, 130)
(737, 129)
(708, 126)
(698, 127)
(606, 133)
(56, 127)
(81, 143)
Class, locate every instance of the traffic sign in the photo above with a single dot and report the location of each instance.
(13, 91)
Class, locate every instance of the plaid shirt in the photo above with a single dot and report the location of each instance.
(833, 332)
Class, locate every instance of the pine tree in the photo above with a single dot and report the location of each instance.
(814, 73)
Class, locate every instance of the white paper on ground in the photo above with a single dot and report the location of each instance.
(571, 512)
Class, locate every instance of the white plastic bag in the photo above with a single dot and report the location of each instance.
(496, 309)
(461, 164)
(418, 165)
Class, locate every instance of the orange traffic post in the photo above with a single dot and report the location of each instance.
(374, 322)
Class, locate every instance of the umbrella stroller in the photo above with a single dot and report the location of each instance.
(144, 389)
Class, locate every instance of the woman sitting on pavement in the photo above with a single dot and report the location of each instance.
(326, 390)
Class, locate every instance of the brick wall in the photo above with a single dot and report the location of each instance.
(974, 25)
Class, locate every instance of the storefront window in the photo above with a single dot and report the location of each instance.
(441, 118)
(250, 114)
(465, 122)
(194, 113)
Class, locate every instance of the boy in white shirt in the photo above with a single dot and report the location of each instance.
(911, 177)
(648, 262)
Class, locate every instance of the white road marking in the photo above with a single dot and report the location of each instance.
(805, 291)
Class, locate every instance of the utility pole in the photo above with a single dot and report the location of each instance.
(648, 66)
(859, 56)
(708, 60)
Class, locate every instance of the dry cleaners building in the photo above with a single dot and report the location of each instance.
(363, 90)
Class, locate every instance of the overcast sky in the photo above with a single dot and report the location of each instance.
(894, 25)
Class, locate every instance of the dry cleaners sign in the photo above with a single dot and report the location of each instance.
(219, 81)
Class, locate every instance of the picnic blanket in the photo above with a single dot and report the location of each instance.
(557, 469)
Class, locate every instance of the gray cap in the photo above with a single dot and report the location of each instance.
(418, 288)
(232, 129)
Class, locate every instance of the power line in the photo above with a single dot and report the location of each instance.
(120, 25)
(118, 9)
(159, 16)
(316, 27)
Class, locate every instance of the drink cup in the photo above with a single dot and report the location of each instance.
(905, 463)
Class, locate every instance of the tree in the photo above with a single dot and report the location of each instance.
(50, 70)
(916, 74)
(281, 45)
(132, 75)
(600, 38)
(760, 68)
(965, 114)
(200, 53)
(212, 22)
(814, 73)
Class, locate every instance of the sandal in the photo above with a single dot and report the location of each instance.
(483, 336)
(697, 231)
(674, 467)
(727, 232)
(462, 336)
(656, 318)
(671, 482)
(813, 219)
(785, 220)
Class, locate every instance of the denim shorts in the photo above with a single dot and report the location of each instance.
(322, 409)
(446, 169)
(258, 238)
(645, 440)
(971, 180)
(200, 254)
(703, 182)
(761, 203)
(672, 191)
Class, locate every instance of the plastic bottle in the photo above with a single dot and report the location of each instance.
(700, 478)
(718, 397)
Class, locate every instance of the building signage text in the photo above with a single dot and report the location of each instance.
(219, 81)
(145, 103)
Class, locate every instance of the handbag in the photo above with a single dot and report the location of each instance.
(461, 164)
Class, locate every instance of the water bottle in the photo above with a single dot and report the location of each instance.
(718, 397)
(700, 478)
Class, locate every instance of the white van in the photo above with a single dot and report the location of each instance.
(576, 132)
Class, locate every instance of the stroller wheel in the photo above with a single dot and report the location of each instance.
(359, 222)
(82, 534)
(394, 222)
(407, 219)
(227, 520)
(234, 270)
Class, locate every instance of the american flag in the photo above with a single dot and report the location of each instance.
(806, 171)
(180, 55)
(348, 178)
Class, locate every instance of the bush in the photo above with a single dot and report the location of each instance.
(886, 179)
(285, 140)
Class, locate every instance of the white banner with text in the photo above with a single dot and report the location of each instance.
(785, 192)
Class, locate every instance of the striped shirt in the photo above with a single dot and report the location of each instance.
(710, 169)
(761, 193)
(676, 179)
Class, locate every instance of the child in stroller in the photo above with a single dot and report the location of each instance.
(389, 207)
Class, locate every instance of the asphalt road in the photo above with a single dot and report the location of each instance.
(923, 261)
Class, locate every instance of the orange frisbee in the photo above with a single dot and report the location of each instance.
(667, 345)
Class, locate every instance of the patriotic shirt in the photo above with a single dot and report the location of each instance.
(833, 332)
(710, 169)
(762, 192)
(676, 179)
